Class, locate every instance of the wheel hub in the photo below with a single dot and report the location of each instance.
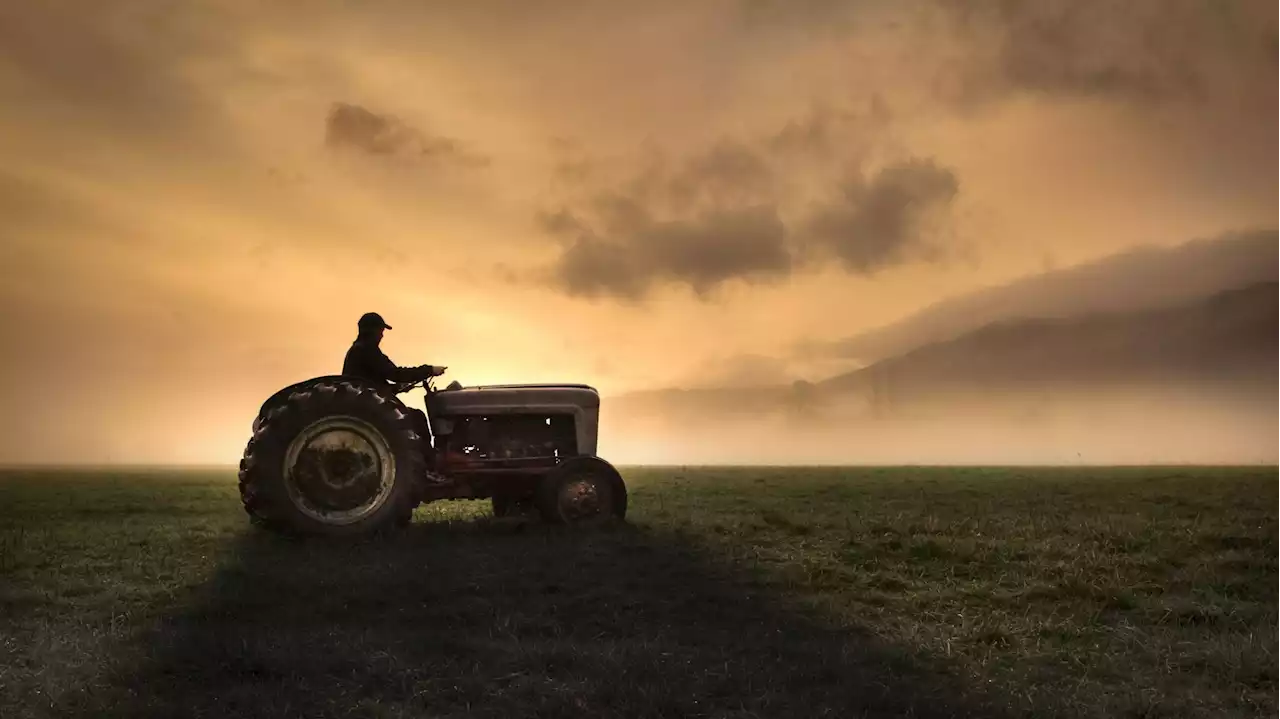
(339, 470)
(581, 498)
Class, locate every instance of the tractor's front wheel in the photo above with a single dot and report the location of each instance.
(584, 490)
(337, 458)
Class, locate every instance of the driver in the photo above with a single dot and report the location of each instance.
(365, 359)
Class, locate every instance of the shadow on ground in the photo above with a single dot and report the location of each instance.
(485, 619)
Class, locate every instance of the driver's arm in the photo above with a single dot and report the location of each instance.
(390, 371)
(428, 371)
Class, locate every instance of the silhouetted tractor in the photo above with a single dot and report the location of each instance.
(336, 455)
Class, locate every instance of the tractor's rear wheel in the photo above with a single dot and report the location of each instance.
(584, 491)
(336, 458)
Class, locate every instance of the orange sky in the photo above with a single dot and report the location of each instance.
(631, 195)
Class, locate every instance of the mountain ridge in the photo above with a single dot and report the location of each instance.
(1228, 337)
(1143, 278)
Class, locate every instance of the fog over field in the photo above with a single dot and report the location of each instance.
(1039, 371)
(1080, 429)
(197, 202)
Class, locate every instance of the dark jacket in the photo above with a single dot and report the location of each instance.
(364, 359)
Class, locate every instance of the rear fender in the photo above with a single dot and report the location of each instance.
(282, 395)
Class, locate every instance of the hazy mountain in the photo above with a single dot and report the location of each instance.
(1229, 338)
(1137, 280)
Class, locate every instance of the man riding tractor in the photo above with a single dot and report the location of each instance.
(365, 358)
(342, 455)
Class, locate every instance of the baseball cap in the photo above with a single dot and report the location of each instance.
(373, 320)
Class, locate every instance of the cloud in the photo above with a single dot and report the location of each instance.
(1143, 50)
(827, 132)
(1061, 52)
(878, 222)
(707, 220)
(729, 212)
(727, 172)
(350, 125)
(744, 210)
(1140, 50)
(701, 252)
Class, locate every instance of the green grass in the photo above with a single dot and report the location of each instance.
(730, 593)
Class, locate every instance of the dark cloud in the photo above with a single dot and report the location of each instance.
(562, 222)
(811, 135)
(1140, 50)
(349, 125)
(1064, 52)
(701, 252)
(826, 131)
(1145, 50)
(876, 222)
(728, 172)
(718, 215)
(699, 223)
(735, 209)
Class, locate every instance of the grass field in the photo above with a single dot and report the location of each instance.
(729, 593)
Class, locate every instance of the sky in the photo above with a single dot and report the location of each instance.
(197, 200)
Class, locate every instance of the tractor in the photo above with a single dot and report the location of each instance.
(341, 456)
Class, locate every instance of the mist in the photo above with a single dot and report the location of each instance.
(1111, 426)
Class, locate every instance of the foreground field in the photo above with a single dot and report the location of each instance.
(730, 593)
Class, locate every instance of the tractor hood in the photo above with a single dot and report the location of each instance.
(486, 398)
(580, 400)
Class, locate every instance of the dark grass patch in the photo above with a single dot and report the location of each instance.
(733, 593)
